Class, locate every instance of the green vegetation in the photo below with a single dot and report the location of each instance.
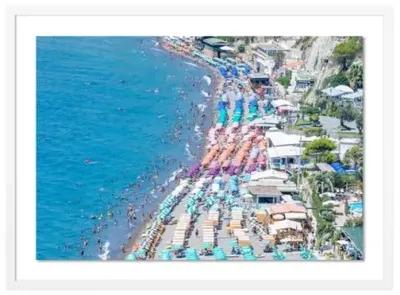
(346, 113)
(354, 156)
(337, 79)
(325, 217)
(345, 52)
(360, 122)
(354, 222)
(356, 75)
(241, 48)
(314, 131)
(320, 150)
(228, 39)
(285, 80)
(347, 180)
(279, 59)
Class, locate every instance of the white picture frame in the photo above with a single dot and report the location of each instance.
(381, 280)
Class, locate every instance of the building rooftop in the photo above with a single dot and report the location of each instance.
(269, 174)
(285, 208)
(284, 151)
(264, 190)
(214, 42)
(337, 91)
(279, 138)
(325, 167)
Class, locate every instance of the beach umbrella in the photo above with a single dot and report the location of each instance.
(130, 257)
(176, 247)
(219, 253)
(207, 246)
(278, 255)
(165, 255)
(140, 253)
(306, 254)
(249, 257)
(191, 254)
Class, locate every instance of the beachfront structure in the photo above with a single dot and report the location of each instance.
(271, 48)
(214, 47)
(264, 194)
(336, 93)
(258, 80)
(303, 81)
(280, 138)
(269, 174)
(284, 157)
(284, 107)
(355, 98)
(283, 186)
(266, 122)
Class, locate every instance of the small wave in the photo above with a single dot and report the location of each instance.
(106, 251)
(198, 131)
(191, 64)
(187, 149)
(174, 175)
(157, 49)
(206, 94)
(207, 78)
(202, 107)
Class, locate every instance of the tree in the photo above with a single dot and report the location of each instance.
(322, 181)
(346, 113)
(338, 79)
(360, 122)
(284, 81)
(345, 52)
(278, 59)
(356, 75)
(320, 149)
(354, 156)
(241, 48)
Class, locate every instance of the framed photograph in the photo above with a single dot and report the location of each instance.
(222, 147)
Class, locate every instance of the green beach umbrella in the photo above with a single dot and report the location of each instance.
(219, 254)
(130, 257)
(306, 254)
(177, 247)
(278, 255)
(140, 253)
(207, 246)
(165, 255)
(191, 254)
(249, 257)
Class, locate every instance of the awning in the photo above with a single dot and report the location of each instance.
(295, 215)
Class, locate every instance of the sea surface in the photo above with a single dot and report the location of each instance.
(116, 116)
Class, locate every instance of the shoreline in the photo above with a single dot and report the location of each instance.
(216, 85)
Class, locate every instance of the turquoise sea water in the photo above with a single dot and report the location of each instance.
(115, 118)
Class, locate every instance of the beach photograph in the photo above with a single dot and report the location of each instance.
(199, 148)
